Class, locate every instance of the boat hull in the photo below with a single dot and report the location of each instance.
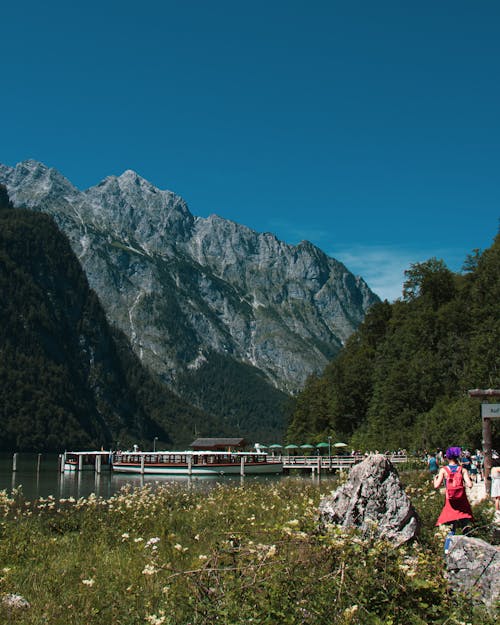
(272, 468)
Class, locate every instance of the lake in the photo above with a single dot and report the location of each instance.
(49, 480)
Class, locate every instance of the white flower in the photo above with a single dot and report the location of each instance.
(149, 569)
(88, 582)
(154, 620)
(16, 602)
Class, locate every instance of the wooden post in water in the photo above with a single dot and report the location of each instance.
(62, 460)
(190, 464)
(80, 462)
(242, 466)
(142, 464)
(14, 462)
(38, 463)
(319, 465)
(98, 464)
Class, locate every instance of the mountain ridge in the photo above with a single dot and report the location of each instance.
(183, 288)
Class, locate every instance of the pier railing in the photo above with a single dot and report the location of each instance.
(326, 463)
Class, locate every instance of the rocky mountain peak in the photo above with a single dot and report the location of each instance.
(184, 287)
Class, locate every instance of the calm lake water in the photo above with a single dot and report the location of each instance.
(49, 481)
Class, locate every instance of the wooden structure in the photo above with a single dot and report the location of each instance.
(318, 464)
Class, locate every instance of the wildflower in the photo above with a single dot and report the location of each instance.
(154, 620)
(152, 541)
(125, 535)
(202, 557)
(138, 540)
(272, 551)
(178, 547)
(88, 582)
(16, 602)
(350, 612)
(149, 569)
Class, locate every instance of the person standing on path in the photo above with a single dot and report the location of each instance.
(456, 510)
(495, 485)
(432, 464)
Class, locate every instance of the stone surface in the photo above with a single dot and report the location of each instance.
(473, 567)
(372, 500)
(183, 287)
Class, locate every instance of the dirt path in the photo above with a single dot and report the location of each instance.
(477, 493)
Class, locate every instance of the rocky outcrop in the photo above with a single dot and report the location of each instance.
(473, 567)
(182, 287)
(372, 500)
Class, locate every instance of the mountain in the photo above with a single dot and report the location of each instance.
(67, 380)
(195, 295)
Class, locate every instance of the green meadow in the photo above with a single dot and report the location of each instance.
(172, 555)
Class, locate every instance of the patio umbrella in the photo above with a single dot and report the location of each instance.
(322, 445)
(307, 446)
(275, 446)
(291, 446)
(340, 445)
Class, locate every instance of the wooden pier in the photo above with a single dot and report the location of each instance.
(320, 464)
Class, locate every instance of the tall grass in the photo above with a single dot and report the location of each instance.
(230, 555)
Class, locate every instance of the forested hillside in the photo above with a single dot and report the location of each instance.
(403, 376)
(67, 380)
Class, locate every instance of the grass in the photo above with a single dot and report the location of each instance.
(230, 555)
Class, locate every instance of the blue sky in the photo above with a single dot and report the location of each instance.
(370, 128)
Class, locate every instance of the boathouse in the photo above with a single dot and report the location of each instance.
(218, 444)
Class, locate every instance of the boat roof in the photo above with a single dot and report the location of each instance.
(217, 443)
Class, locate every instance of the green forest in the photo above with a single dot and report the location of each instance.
(402, 379)
(67, 379)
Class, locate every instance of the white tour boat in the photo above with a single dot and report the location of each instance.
(194, 463)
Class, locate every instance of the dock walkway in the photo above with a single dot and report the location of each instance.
(318, 464)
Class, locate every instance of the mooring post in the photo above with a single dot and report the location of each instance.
(80, 462)
(98, 464)
(190, 464)
(142, 464)
(62, 460)
(38, 463)
(319, 465)
(14, 462)
(242, 466)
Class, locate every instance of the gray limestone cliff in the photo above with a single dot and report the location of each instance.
(183, 287)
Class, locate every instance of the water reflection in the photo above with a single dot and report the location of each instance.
(41, 478)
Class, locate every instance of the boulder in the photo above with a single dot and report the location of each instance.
(473, 567)
(372, 500)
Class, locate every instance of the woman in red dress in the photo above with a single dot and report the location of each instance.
(456, 510)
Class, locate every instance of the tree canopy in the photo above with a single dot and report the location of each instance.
(402, 378)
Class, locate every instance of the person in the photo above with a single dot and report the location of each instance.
(456, 510)
(474, 468)
(465, 460)
(432, 464)
(495, 484)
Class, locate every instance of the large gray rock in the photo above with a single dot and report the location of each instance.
(372, 500)
(473, 567)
